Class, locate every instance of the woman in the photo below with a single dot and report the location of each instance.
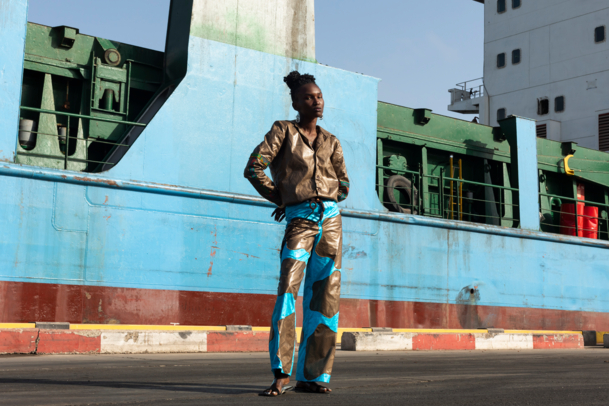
(309, 178)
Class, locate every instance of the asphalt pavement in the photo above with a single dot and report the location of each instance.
(534, 377)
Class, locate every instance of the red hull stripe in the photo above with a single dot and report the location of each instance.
(29, 302)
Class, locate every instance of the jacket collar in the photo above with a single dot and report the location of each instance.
(320, 131)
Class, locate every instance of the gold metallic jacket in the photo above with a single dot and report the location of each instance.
(300, 171)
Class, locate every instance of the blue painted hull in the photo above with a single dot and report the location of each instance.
(176, 215)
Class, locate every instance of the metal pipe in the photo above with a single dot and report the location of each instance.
(61, 133)
(91, 139)
(471, 182)
(460, 190)
(109, 99)
(452, 175)
(61, 157)
(128, 89)
(380, 172)
(420, 194)
(441, 187)
(394, 169)
(572, 199)
(65, 163)
(468, 182)
(82, 179)
(470, 199)
(61, 113)
(575, 206)
(500, 206)
(27, 133)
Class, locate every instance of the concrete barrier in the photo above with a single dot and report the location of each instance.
(504, 342)
(18, 341)
(358, 341)
(68, 342)
(152, 342)
(172, 340)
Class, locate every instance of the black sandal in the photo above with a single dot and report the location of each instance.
(273, 391)
(311, 387)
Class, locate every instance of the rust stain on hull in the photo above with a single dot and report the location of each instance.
(104, 181)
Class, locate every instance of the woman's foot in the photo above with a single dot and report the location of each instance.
(312, 387)
(277, 387)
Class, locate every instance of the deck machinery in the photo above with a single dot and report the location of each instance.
(95, 88)
(442, 167)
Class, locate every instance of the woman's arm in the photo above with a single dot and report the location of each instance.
(338, 162)
(260, 159)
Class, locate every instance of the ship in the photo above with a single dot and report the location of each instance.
(123, 198)
(543, 60)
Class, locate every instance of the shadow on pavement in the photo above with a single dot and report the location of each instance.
(168, 386)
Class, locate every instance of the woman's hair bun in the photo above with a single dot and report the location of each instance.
(294, 80)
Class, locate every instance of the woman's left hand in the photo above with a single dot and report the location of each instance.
(279, 214)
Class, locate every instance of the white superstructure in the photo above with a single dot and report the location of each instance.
(547, 60)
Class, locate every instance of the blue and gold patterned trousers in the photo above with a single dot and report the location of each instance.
(316, 246)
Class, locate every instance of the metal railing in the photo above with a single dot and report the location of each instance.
(447, 200)
(66, 152)
(475, 89)
(573, 222)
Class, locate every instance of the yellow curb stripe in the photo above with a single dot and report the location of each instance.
(17, 325)
(144, 327)
(437, 331)
(541, 332)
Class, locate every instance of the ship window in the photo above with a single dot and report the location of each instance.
(599, 34)
(501, 60)
(516, 4)
(559, 104)
(501, 7)
(543, 106)
(501, 114)
(516, 57)
(542, 131)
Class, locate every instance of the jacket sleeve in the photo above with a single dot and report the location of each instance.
(260, 159)
(338, 162)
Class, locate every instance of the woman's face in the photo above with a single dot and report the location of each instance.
(309, 101)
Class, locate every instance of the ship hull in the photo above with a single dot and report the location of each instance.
(97, 250)
(27, 302)
(173, 234)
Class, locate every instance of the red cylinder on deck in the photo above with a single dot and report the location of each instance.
(591, 222)
(567, 219)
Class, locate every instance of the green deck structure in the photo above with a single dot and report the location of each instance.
(418, 145)
(87, 78)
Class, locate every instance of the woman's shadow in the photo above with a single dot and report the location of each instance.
(228, 389)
